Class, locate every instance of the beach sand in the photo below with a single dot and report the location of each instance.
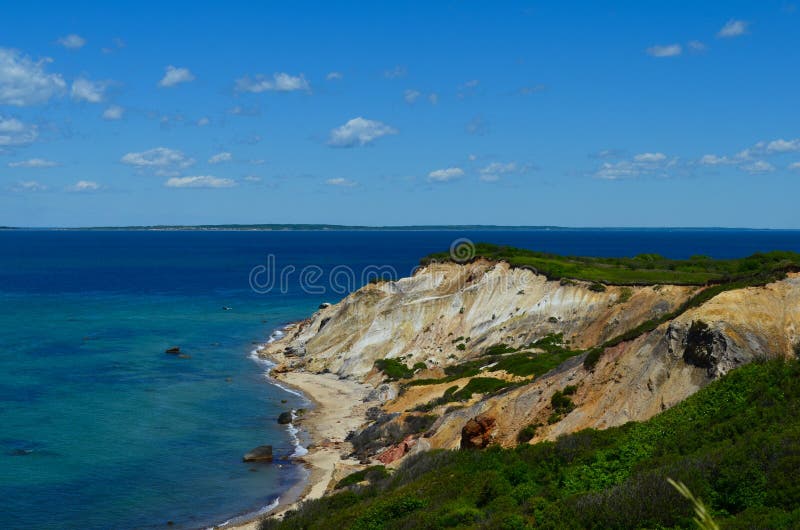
(339, 408)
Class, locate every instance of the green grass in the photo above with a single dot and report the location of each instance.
(735, 445)
(645, 269)
(371, 474)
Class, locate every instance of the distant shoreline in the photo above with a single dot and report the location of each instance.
(399, 228)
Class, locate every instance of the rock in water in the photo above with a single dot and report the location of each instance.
(262, 453)
(284, 418)
(477, 433)
(174, 350)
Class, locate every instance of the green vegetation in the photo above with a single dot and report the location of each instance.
(624, 295)
(645, 269)
(561, 403)
(393, 369)
(527, 433)
(371, 474)
(476, 385)
(735, 445)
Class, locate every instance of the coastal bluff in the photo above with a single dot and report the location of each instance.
(450, 344)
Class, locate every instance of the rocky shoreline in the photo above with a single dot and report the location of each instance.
(338, 408)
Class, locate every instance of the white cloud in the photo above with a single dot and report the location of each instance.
(394, 73)
(280, 82)
(759, 166)
(114, 112)
(650, 157)
(783, 146)
(252, 178)
(696, 46)
(84, 185)
(202, 122)
(495, 170)
(795, 166)
(358, 132)
(72, 41)
(445, 175)
(29, 185)
(411, 95)
(175, 76)
(733, 28)
(433, 98)
(714, 160)
(163, 161)
(14, 132)
(477, 126)
(85, 90)
(334, 76)
(24, 82)
(33, 162)
(533, 89)
(472, 158)
(670, 50)
(472, 83)
(249, 112)
(199, 182)
(345, 183)
(220, 158)
(642, 165)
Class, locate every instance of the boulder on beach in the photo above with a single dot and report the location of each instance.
(284, 418)
(262, 453)
(173, 350)
(324, 305)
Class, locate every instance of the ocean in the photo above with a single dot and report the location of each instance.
(100, 428)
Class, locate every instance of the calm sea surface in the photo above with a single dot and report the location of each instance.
(99, 428)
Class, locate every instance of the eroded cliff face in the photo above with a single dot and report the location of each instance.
(640, 378)
(419, 319)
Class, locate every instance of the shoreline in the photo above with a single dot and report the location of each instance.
(326, 425)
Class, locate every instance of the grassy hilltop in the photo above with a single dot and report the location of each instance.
(644, 269)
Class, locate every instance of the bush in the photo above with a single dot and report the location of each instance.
(461, 347)
(394, 369)
(597, 287)
(527, 433)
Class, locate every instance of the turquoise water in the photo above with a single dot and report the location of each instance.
(99, 428)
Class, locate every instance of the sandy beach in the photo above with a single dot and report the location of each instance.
(338, 408)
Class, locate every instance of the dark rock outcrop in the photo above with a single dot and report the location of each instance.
(285, 418)
(175, 350)
(477, 433)
(262, 453)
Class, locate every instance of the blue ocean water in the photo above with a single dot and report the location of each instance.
(99, 428)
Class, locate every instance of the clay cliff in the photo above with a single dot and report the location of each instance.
(449, 314)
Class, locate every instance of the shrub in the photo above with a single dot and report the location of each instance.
(625, 294)
(499, 349)
(527, 433)
(561, 403)
(597, 287)
(461, 347)
(394, 369)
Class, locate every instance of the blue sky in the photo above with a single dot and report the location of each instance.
(514, 113)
